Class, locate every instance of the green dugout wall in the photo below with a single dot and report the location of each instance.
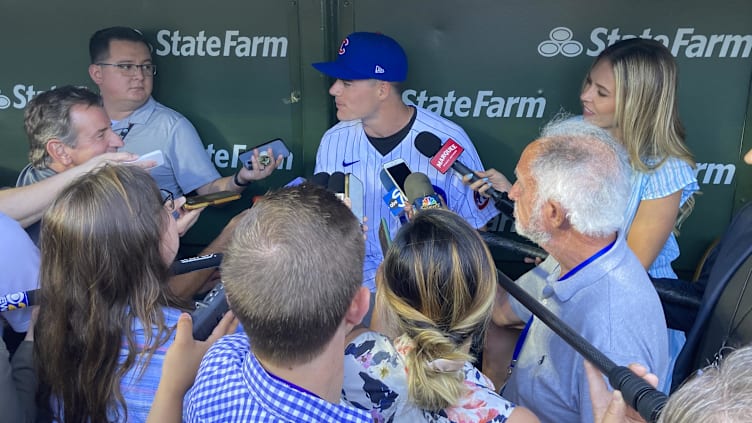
(240, 71)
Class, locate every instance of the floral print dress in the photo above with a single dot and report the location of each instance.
(376, 380)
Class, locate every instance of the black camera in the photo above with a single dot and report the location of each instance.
(209, 312)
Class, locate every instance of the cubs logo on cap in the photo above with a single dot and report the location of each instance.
(367, 55)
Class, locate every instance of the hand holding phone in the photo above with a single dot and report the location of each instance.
(220, 197)
(277, 146)
(156, 156)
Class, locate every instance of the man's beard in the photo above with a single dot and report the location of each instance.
(534, 230)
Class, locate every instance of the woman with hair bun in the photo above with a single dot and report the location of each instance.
(435, 290)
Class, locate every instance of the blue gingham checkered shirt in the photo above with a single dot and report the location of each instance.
(231, 386)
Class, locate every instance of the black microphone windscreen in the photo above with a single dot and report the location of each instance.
(417, 185)
(321, 179)
(427, 143)
(336, 183)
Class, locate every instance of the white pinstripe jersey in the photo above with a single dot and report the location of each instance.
(345, 148)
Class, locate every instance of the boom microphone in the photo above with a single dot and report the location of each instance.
(445, 156)
(648, 401)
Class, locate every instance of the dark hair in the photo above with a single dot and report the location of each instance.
(292, 270)
(99, 43)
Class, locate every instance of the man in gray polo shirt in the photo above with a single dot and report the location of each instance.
(571, 190)
(122, 67)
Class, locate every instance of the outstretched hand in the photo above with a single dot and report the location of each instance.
(609, 407)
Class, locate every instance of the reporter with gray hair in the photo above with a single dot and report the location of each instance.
(572, 188)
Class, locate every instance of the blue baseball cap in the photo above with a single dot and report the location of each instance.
(367, 55)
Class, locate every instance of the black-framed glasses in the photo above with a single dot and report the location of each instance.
(168, 200)
(130, 69)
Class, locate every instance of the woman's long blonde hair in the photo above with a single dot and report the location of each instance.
(646, 116)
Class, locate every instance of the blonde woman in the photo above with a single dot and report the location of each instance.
(435, 290)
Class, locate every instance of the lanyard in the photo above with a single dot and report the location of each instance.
(523, 334)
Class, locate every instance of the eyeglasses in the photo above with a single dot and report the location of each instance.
(130, 69)
(168, 200)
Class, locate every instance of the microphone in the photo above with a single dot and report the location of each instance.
(336, 184)
(321, 179)
(18, 300)
(394, 197)
(445, 156)
(420, 192)
(23, 299)
(188, 265)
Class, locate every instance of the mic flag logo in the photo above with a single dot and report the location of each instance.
(14, 301)
(480, 201)
(396, 201)
(446, 156)
(429, 202)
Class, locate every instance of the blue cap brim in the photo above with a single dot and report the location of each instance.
(338, 71)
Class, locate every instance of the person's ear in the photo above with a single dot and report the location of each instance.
(358, 306)
(95, 73)
(384, 89)
(554, 214)
(58, 151)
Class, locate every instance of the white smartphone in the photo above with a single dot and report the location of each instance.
(155, 155)
(278, 147)
(397, 171)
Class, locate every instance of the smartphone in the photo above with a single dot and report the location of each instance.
(156, 155)
(354, 191)
(397, 171)
(198, 201)
(278, 147)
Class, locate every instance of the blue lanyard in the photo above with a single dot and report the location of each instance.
(523, 334)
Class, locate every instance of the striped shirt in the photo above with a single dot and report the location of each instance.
(345, 148)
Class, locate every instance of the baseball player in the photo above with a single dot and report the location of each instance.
(377, 127)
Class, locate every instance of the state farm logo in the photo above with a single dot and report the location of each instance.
(560, 42)
(4, 101)
(685, 42)
(21, 96)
